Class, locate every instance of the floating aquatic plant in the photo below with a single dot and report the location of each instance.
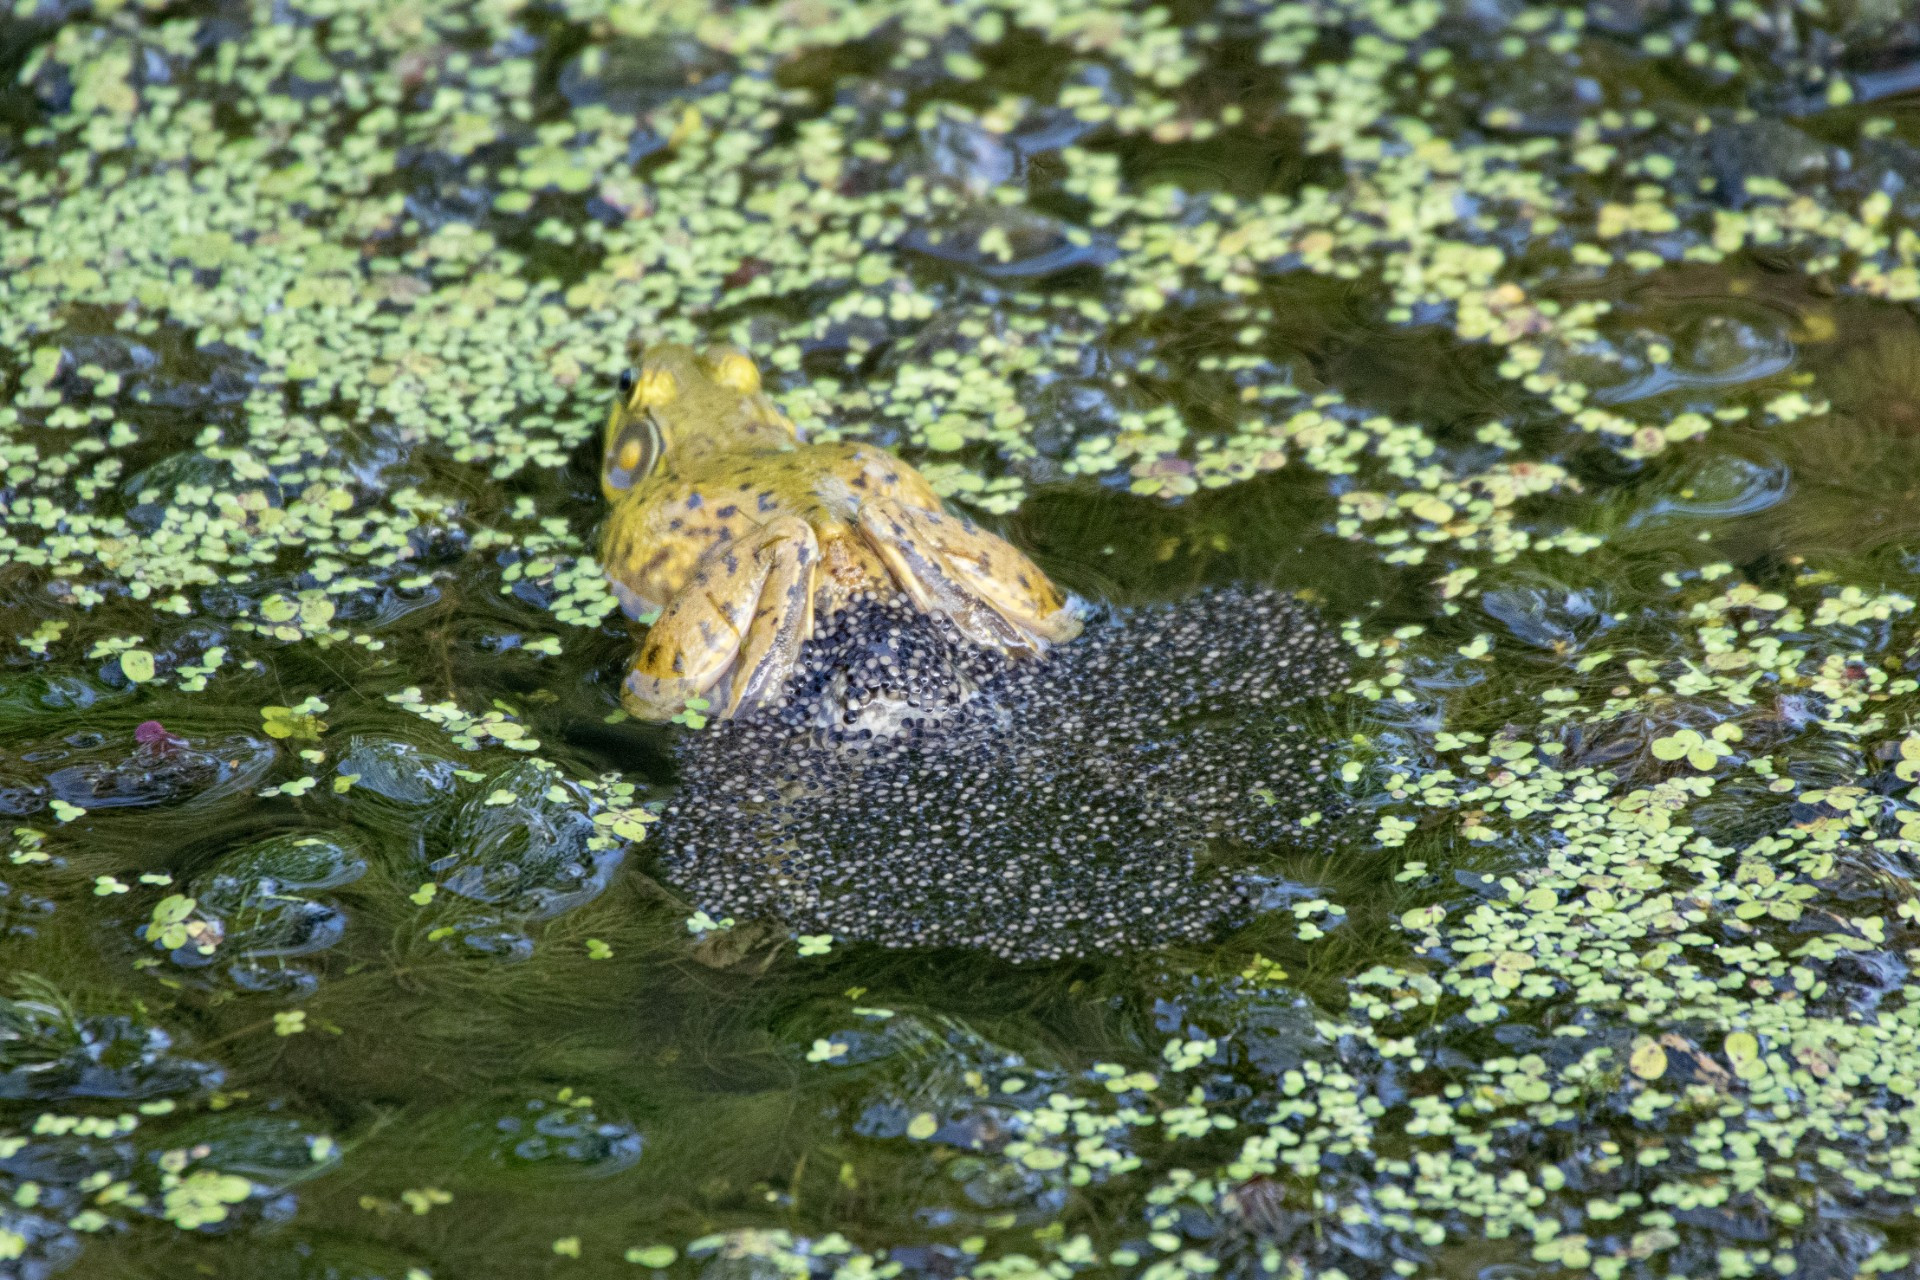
(1579, 330)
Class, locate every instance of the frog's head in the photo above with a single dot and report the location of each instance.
(675, 401)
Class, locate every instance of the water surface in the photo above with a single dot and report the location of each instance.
(1563, 355)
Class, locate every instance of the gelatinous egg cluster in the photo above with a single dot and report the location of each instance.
(913, 790)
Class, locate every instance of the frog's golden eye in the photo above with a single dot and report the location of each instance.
(634, 445)
(732, 368)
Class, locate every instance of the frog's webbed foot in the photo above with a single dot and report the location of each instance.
(992, 593)
(745, 612)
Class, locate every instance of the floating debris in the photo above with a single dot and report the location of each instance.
(563, 1136)
(252, 915)
(521, 849)
(50, 1051)
(918, 792)
(89, 771)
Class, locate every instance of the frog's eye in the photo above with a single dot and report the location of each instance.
(634, 445)
(626, 382)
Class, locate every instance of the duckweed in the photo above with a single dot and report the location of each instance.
(1564, 355)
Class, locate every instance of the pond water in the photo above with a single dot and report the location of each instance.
(1563, 357)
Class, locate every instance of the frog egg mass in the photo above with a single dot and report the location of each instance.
(914, 789)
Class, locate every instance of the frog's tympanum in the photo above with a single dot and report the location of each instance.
(742, 534)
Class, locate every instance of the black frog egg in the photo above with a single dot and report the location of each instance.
(915, 790)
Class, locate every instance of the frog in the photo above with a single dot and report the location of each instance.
(734, 534)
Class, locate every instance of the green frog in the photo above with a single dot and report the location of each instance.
(742, 534)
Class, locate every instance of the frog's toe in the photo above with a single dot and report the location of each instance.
(745, 611)
(988, 589)
(782, 616)
(685, 653)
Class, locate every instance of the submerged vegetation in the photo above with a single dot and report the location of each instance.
(1564, 354)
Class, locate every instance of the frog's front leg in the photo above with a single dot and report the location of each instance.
(992, 593)
(746, 611)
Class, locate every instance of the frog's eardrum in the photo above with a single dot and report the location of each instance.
(916, 791)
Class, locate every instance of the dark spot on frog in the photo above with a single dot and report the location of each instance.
(694, 502)
(727, 512)
(732, 563)
(766, 501)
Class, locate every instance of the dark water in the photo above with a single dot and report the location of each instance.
(1564, 357)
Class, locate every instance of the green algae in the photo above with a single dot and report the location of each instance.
(1566, 351)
